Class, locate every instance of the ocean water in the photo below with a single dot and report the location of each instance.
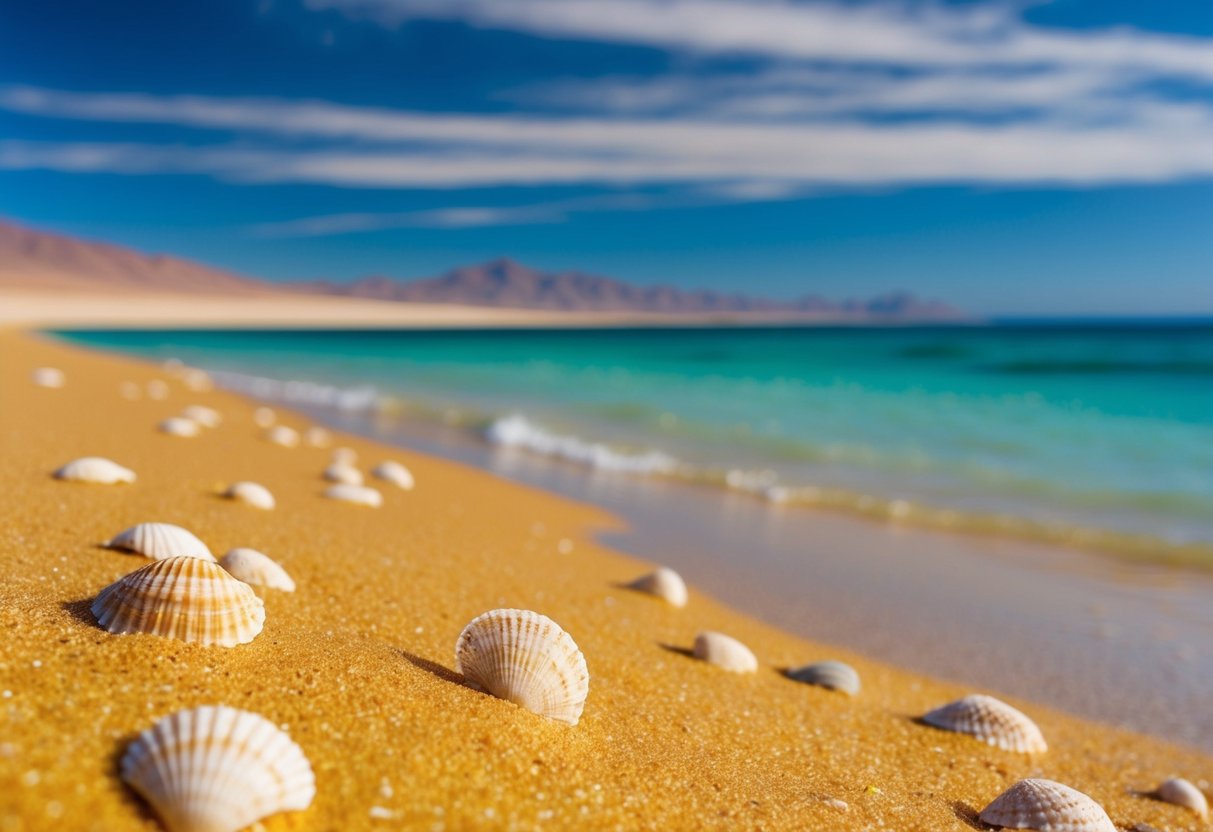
(1096, 435)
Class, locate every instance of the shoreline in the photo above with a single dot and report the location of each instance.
(357, 662)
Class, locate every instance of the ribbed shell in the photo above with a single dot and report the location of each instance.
(990, 720)
(179, 426)
(665, 583)
(317, 437)
(1182, 793)
(284, 436)
(184, 598)
(48, 377)
(95, 469)
(1046, 806)
(359, 494)
(828, 674)
(725, 652)
(208, 417)
(342, 473)
(395, 473)
(525, 658)
(218, 769)
(250, 493)
(255, 568)
(160, 540)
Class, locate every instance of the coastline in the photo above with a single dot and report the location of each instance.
(358, 662)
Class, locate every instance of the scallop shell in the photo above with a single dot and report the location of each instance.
(829, 674)
(360, 494)
(1046, 806)
(48, 377)
(179, 426)
(284, 436)
(159, 541)
(254, 568)
(208, 417)
(395, 473)
(1182, 793)
(725, 652)
(342, 473)
(990, 720)
(185, 598)
(316, 437)
(264, 417)
(525, 658)
(665, 583)
(157, 389)
(250, 493)
(94, 469)
(217, 769)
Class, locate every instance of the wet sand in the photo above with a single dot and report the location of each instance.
(357, 664)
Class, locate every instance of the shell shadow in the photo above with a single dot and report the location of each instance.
(81, 610)
(128, 794)
(967, 815)
(435, 669)
(674, 648)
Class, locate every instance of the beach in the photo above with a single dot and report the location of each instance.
(358, 663)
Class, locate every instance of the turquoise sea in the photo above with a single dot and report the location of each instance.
(1097, 434)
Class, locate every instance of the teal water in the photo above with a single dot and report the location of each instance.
(1044, 427)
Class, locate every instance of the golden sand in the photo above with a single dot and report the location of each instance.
(357, 663)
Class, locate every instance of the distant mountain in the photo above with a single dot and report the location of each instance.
(506, 283)
(39, 260)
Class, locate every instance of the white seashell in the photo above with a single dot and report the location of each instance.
(254, 568)
(284, 436)
(159, 541)
(264, 417)
(208, 417)
(157, 389)
(990, 720)
(395, 473)
(360, 494)
(130, 391)
(179, 426)
(828, 674)
(317, 437)
(344, 456)
(217, 769)
(185, 598)
(725, 652)
(250, 493)
(1182, 793)
(197, 380)
(347, 474)
(1046, 806)
(525, 658)
(665, 584)
(48, 377)
(95, 469)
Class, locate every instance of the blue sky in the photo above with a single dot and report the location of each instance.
(1011, 157)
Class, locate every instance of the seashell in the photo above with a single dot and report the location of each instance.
(284, 436)
(217, 769)
(254, 568)
(395, 473)
(360, 494)
(1182, 793)
(665, 583)
(1046, 806)
(990, 720)
(829, 674)
(344, 456)
(525, 658)
(130, 391)
(159, 541)
(317, 437)
(197, 380)
(179, 426)
(184, 598)
(264, 417)
(157, 389)
(95, 469)
(250, 493)
(725, 652)
(208, 417)
(339, 472)
(48, 377)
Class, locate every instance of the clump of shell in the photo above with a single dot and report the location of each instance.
(256, 569)
(664, 583)
(525, 658)
(833, 675)
(1046, 806)
(179, 426)
(395, 473)
(217, 769)
(205, 416)
(990, 720)
(95, 469)
(282, 435)
(342, 473)
(1183, 793)
(317, 437)
(725, 652)
(357, 494)
(264, 417)
(250, 493)
(50, 377)
(160, 540)
(184, 598)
